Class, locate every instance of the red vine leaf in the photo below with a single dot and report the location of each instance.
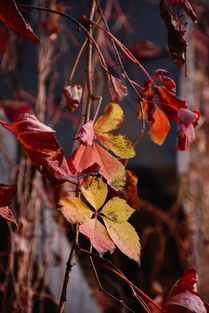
(85, 156)
(13, 19)
(117, 89)
(40, 145)
(73, 94)
(184, 296)
(7, 193)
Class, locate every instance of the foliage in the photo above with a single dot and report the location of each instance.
(104, 189)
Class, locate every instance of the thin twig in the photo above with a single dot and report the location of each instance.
(105, 291)
(69, 266)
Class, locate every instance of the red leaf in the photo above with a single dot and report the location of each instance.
(117, 89)
(73, 94)
(41, 146)
(7, 192)
(184, 297)
(85, 156)
(14, 20)
(160, 127)
(162, 76)
(170, 103)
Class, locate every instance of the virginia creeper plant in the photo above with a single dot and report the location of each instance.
(102, 192)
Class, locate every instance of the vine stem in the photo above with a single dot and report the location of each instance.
(135, 287)
(89, 73)
(68, 270)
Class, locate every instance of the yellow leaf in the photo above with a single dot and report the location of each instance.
(111, 118)
(117, 143)
(125, 238)
(117, 210)
(98, 235)
(95, 191)
(75, 210)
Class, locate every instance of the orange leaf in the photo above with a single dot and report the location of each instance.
(110, 168)
(160, 127)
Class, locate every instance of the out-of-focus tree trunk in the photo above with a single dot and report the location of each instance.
(194, 163)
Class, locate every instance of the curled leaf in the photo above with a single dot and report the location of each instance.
(7, 214)
(40, 145)
(117, 89)
(184, 296)
(13, 19)
(73, 94)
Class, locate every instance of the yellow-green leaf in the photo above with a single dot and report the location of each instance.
(95, 191)
(125, 238)
(117, 143)
(111, 118)
(117, 210)
(98, 235)
(75, 210)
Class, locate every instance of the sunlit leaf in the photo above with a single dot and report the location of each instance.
(75, 210)
(111, 118)
(125, 238)
(117, 210)
(117, 89)
(14, 20)
(95, 191)
(98, 235)
(117, 143)
(110, 168)
(160, 127)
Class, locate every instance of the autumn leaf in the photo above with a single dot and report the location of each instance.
(160, 127)
(184, 296)
(40, 145)
(98, 235)
(72, 94)
(104, 126)
(176, 28)
(7, 193)
(13, 19)
(117, 89)
(160, 104)
(114, 215)
(86, 156)
(89, 152)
